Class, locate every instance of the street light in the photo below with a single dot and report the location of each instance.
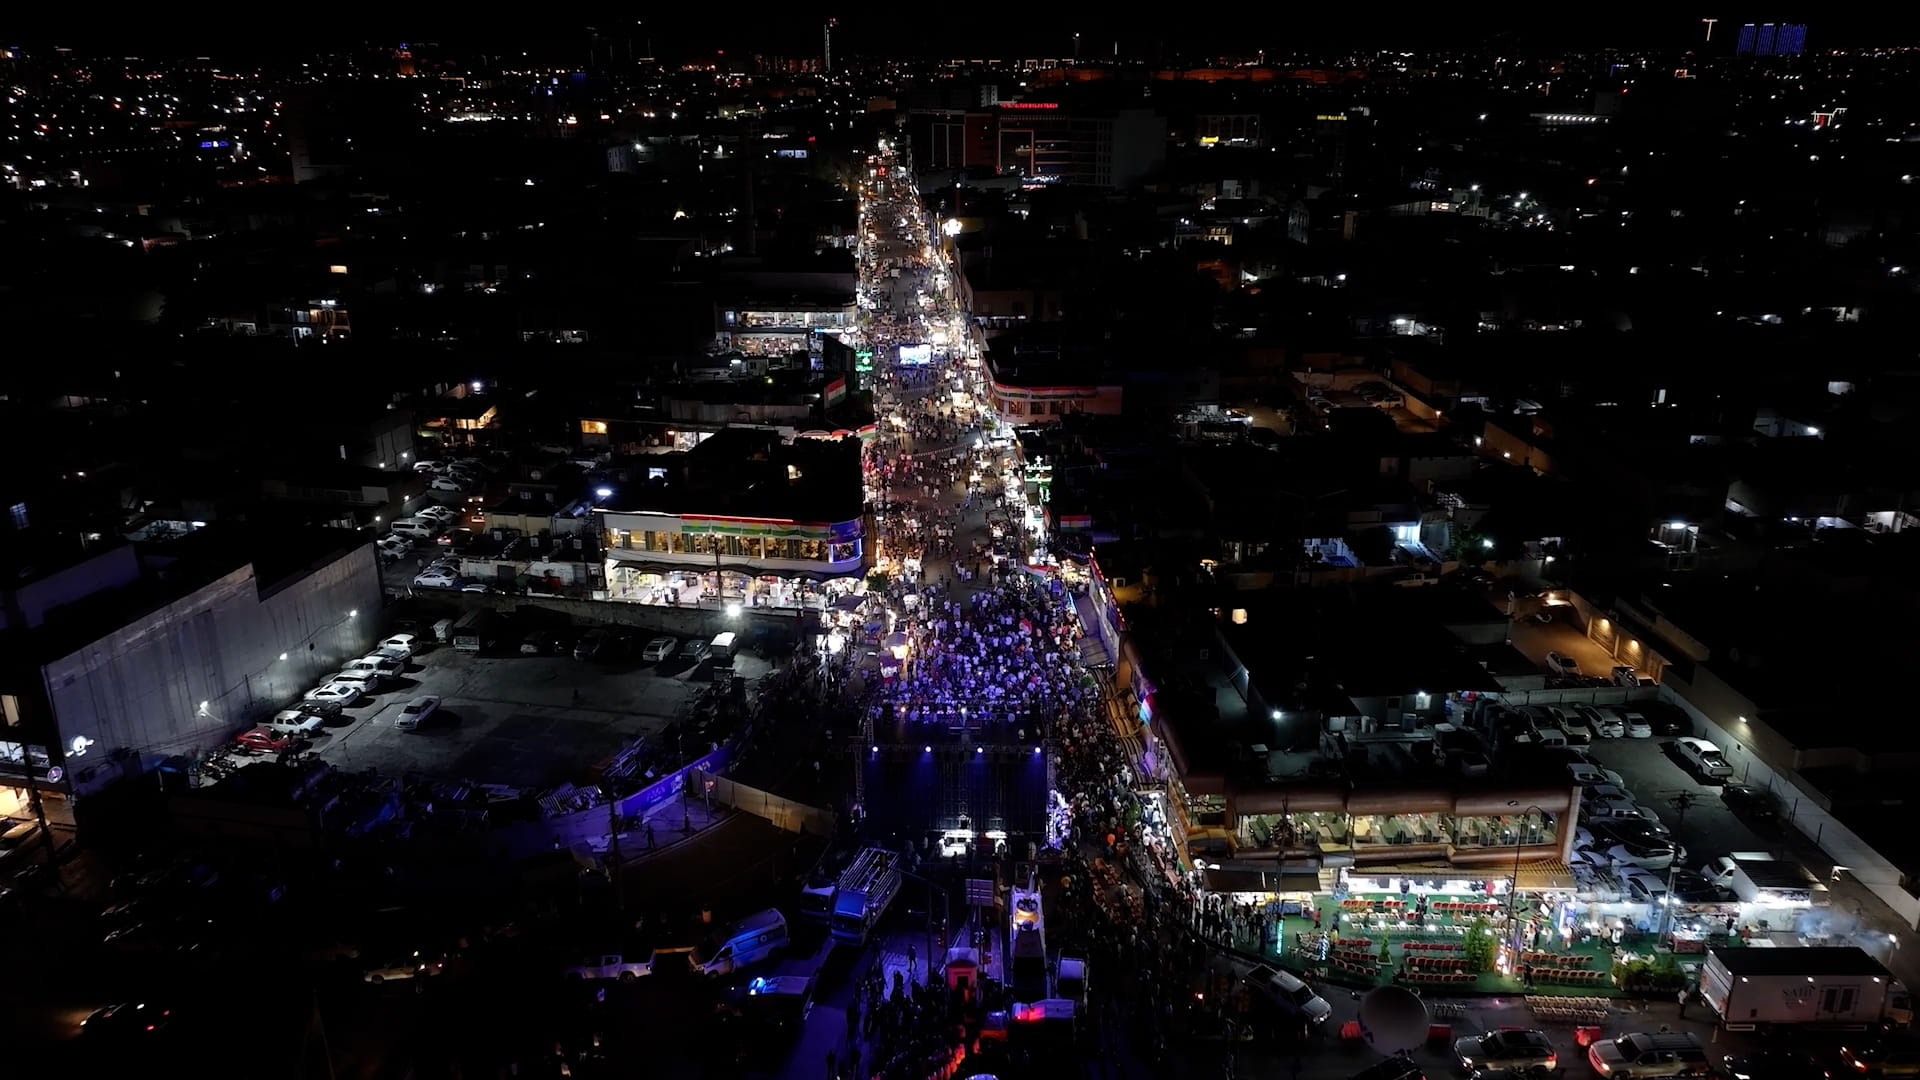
(1513, 891)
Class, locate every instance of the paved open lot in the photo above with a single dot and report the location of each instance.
(526, 721)
(1709, 828)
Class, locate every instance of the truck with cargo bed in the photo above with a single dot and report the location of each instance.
(1836, 987)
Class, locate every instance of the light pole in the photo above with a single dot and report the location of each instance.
(1680, 803)
(1513, 891)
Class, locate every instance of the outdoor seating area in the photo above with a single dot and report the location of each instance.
(1432, 946)
(1557, 960)
(1436, 963)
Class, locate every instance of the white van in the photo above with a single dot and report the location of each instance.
(722, 646)
(415, 529)
(753, 939)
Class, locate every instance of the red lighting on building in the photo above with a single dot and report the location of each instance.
(1029, 104)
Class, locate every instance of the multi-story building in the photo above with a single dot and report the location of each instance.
(742, 518)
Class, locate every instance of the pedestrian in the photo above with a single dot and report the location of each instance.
(1684, 992)
(832, 1061)
(1526, 976)
(650, 842)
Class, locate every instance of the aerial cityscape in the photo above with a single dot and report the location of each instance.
(854, 547)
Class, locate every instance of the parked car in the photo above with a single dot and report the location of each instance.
(1579, 731)
(415, 713)
(1595, 776)
(596, 644)
(264, 740)
(386, 667)
(1624, 675)
(1749, 802)
(1562, 664)
(1638, 727)
(445, 515)
(1644, 888)
(659, 648)
(294, 723)
(447, 483)
(405, 645)
(436, 579)
(1606, 725)
(342, 694)
(368, 681)
(695, 649)
(1702, 757)
(548, 642)
(1643, 856)
(1524, 1051)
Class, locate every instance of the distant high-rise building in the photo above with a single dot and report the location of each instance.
(826, 46)
(1771, 39)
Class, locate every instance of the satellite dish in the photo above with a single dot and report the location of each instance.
(1392, 1019)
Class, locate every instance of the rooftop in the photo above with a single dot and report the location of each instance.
(749, 472)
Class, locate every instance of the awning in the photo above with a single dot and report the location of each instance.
(1260, 881)
(1545, 875)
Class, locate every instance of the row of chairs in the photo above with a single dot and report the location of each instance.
(1460, 907)
(1557, 960)
(1453, 978)
(1437, 963)
(1358, 956)
(1432, 946)
(1554, 1001)
(1568, 1014)
(1570, 977)
(1353, 943)
(1371, 970)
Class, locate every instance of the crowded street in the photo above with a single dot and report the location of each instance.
(975, 628)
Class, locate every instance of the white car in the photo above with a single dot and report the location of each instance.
(1702, 757)
(1637, 725)
(1643, 887)
(415, 712)
(401, 645)
(1640, 856)
(428, 465)
(437, 579)
(658, 649)
(446, 483)
(395, 546)
(293, 722)
(1593, 775)
(342, 694)
(1562, 664)
(1606, 725)
(442, 514)
(383, 666)
(366, 681)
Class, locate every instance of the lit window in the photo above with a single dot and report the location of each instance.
(593, 427)
(19, 514)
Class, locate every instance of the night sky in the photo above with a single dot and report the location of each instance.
(970, 30)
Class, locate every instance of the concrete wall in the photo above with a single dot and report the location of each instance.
(785, 814)
(138, 690)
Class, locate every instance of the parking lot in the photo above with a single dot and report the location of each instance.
(525, 721)
(1708, 829)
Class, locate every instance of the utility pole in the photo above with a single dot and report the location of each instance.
(616, 866)
(1681, 803)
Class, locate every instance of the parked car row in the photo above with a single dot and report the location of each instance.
(357, 679)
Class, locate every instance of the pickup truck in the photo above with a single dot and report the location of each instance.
(615, 966)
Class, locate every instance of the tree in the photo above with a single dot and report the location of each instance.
(1386, 950)
(1479, 947)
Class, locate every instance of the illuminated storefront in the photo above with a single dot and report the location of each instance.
(691, 559)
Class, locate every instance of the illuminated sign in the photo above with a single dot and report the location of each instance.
(916, 355)
(214, 144)
(1029, 104)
